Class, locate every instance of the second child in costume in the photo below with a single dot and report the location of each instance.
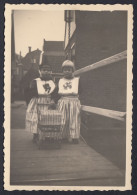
(69, 103)
(44, 94)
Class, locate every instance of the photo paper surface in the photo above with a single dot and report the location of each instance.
(68, 97)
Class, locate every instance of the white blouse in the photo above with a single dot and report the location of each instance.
(45, 87)
(69, 86)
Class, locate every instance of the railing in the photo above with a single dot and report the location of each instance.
(105, 112)
(107, 61)
(100, 111)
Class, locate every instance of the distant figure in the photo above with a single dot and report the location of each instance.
(69, 103)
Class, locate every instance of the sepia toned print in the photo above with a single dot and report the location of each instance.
(68, 97)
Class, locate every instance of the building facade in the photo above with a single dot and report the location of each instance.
(91, 36)
(94, 37)
(31, 60)
(54, 51)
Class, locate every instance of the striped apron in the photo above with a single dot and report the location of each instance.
(70, 108)
(36, 106)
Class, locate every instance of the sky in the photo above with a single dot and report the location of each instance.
(31, 27)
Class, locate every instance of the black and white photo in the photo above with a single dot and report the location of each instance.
(68, 97)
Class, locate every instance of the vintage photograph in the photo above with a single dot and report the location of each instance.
(68, 97)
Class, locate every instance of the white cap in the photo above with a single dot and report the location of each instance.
(68, 63)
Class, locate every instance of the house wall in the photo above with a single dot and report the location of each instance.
(100, 35)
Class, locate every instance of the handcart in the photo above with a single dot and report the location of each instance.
(50, 125)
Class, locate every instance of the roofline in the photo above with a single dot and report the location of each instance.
(32, 52)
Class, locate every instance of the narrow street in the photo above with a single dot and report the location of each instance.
(73, 165)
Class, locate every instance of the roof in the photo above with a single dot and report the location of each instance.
(53, 46)
(56, 63)
(54, 50)
(32, 54)
(30, 57)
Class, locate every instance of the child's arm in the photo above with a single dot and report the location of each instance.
(33, 89)
(55, 96)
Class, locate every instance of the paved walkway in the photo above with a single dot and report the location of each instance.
(71, 165)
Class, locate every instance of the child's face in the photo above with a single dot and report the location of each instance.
(68, 71)
(45, 72)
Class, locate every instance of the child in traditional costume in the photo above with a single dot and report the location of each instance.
(69, 103)
(43, 94)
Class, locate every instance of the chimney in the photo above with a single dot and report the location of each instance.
(29, 49)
